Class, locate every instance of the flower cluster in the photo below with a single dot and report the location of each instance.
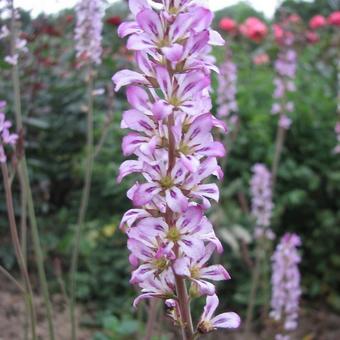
(227, 88)
(169, 236)
(6, 138)
(88, 31)
(261, 200)
(285, 67)
(286, 289)
(20, 44)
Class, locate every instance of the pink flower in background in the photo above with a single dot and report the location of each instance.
(261, 59)
(284, 81)
(88, 31)
(169, 236)
(312, 37)
(334, 18)
(317, 21)
(285, 122)
(254, 29)
(227, 89)
(286, 290)
(228, 25)
(6, 138)
(337, 132)
(261, 199)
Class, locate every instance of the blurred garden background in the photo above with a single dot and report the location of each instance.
(306, 199)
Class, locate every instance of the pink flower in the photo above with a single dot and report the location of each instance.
(261, 195)
(317, 21)
(286, 289)
(334, 18)
(285, 122)
(261, 59)
(312, 37)
(88, 31)
(6, 138)
(208, 323)
(227, 90)
(254, 29)
(171, 139)
(228, 25)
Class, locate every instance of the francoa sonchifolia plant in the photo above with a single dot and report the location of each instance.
(169, 236)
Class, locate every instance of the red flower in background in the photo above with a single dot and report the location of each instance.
(254, 29)
(114, 21)
(228, 25)
(69, 18)
(312, 37)
(317, 21)
(278, 32)
(334, 19)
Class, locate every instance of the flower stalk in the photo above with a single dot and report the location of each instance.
(24, 180)
(84, 200)
(170, 238)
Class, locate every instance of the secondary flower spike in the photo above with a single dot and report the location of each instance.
(286, 289)
(261, 200)
(227, 89)
(169, 237)
(6, 138)
(88, 31)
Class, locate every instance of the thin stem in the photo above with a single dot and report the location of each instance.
(181, 289)
(12, 279)
(254, 288)
(184, 306)
(17, 248)
(152, 316)
(23, 173)
(83, 204)
(280, 138)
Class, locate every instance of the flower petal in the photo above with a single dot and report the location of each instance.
(215, 272)
(226, 320)
(176, 200)
(127, 77)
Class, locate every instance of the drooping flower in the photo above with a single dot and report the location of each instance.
(286, 290)
(254, 29)
(88, 31)
(171, 138)
(209, 323)
(317, 21)
(6, 138)
(261, 200)
(227, 89)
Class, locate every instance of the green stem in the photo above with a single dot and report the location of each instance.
(12, 279)
(184, 306)
(17, 249)
(152, 316)
(254, 288)
(280, 138)
(23, 174)
(83, 204)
